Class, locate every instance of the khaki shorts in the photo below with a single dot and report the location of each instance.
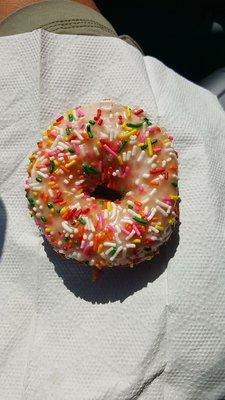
(60, 16)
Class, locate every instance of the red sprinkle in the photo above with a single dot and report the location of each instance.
(59, 119)
(158, 170)
(138, 112)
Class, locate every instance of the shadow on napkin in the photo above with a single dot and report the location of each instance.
(3, 220)
(114, 284)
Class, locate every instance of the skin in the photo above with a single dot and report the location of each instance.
(10, 6)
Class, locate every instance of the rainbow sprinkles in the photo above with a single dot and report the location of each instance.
(112, 146)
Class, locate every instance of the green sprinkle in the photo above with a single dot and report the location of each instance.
(31, 201)
(174, 183)
(144, 146)
(148, 122)
(129, 206)
(66, 239)
(52, 166)
(148, 249)
(68, 130)
(131, 125)
(88, 169)
(70, 116)
(71, 151)
(89, 132)
(140, 220)
(58, 209)
(91, 122)
(112, 252)
(122, 145)
(49, 205)
(153, 141)
(43, 219)
(39, 179)
(101, 202)
(82, 221)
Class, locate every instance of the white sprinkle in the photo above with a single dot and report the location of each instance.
(50, 192)
(163, 163)
(134, 150)
(152, 159)
(154, 238)
(153, 211)
(130, 245)
(79, 196)
(43, 175)
(77, 206)
(67, 227)
(41, 207)
(78, 135)
(146, 210)
(37, 188)
(116, 253)
(162, 204)
(71, 235)
(105, 213)
(60, 147)
(38, 202)
(132, 212)
(140, 157)
(43, 169)
(90, 236)
(82, 150)
(73, 157)
(66, 181)
(153, 229)
(95, 149)
(117, 238)
(124, 156)
(70, 176)
(129, 194)
(168, 159)
(59, 243)
(77, 183)
(154, 165)
(131, 234)
(168, 150)
(145, 200)
(82, 244)
(117, 228)
(162, 211)
(146, 176)
(56, 141)
(175, 176)
(127, 221)
(91, 243)
(128, 155)
(137, 181)
(130, 203)
(92, 262)
(109, 244)
(75, 141)
(34, 209)
(63, 145)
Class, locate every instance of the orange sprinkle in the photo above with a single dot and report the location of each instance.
(64, 168)
(172, 167)
(154, 183)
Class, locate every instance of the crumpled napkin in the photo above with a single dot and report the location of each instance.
(154, 332)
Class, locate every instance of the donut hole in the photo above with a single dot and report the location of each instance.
(103, 192)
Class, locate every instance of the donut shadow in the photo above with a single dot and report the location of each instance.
(114, 284)
(3, 223)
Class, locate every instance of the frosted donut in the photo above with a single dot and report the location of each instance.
(112, 149)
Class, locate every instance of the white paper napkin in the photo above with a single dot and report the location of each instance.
(154, 332)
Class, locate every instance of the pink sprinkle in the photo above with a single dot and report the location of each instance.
(52, 177)
(125, 172)
(141, 188)
(153, 129)
(81, 125)
(107, 148)
(86, 249)
(157, 150)
(75, 148)
(141, 138)
(167, 200)
(135, 228)
(53, 134)
(171, 137)
(100, 220)
(125, 231)
(100, 165)
(79, 112)
(110, 227)
(69, 125)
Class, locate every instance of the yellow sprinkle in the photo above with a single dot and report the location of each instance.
(51, 183)
(175, 198)
(63, 210)
(127, 128)
(127, 112)
(126, 135)
(140, 144)
(136, 241)
(100, 248)
(120, 160)
(47, 230)
(52, 210)
(171, 221)
(70, 164)
(35, 194)
(49, 142)
(150, 151)
(56, 163)
(159, 227)
(56, 172)
(109, 206)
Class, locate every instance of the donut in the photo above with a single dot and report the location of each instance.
(102, 185)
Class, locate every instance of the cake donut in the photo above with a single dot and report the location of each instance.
(102, 185)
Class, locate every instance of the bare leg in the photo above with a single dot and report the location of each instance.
(10, 6)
